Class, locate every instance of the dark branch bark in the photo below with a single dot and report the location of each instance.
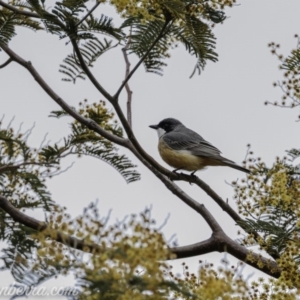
(127, 71)
(89, 73)
(34, 224)
(89, 13)
(160, 35)
(87, 122)
(6, 63)
(18, 11)
(201, 248)
(219, 241)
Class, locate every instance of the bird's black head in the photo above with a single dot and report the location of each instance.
(167, 125)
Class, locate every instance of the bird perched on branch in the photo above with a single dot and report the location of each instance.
(184, 149)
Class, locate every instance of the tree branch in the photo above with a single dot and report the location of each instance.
(219, 241)
(89, 73)
(19, 11)
(87, 122)
(6, 63)
(128, 90)
(89, 13)
(132, 144)
(34, 224)
(160, 35)
(222, 243)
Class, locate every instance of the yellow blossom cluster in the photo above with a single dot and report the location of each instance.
(177, 9)
(290, 85)
(224, 283)
(270, 200)
(99, 113)
(129, 260)
(268, 188)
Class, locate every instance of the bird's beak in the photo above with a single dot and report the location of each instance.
(154, 126)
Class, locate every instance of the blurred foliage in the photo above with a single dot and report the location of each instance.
(131, 263)
(188, 22)
(24, 170)
(270, 201)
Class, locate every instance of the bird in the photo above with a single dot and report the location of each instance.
(184, 149)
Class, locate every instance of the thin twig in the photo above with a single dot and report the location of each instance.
(160, 35)
(18, 11)
(17, 166)
(87, 71)
(127, 71)
(89, 13)
(6, 63)
(85, 121)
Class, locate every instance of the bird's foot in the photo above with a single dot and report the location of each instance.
(175, 171)
(193, 176)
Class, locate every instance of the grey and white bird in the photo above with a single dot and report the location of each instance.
(184, 149)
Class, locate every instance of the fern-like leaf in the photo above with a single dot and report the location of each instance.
(194, 34)
(90, 51)
(142, 38)
(7, 28)
(85, 142)
(292, 62)
(198, 40)
(103, 25)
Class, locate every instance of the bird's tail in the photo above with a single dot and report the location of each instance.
(233, 165)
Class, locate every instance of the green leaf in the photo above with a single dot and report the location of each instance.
(90, 51)
(101, 25)
(85, 142)
(142, 38)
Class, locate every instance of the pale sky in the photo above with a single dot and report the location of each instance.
(225, 104)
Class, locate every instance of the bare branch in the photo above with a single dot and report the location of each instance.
(87, 122)
(19, 11)
(127, 71)
(90, 75)
(217, 242)
(34, 224)
(160, 35)
(222, 243)
(6, 63)
(200, 208)
(89, 13)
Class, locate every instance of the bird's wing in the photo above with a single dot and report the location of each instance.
(191, 141)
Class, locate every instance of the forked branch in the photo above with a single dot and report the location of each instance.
(6, 63)
(160, 35)
(219, 241)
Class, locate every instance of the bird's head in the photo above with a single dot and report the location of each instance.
(165, 126)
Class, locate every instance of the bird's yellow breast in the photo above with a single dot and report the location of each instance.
(180, 159)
